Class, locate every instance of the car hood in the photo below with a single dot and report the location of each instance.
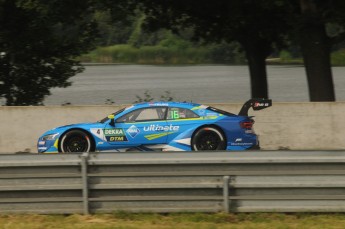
(62, 129)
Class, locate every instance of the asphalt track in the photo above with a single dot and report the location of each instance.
(203, 84)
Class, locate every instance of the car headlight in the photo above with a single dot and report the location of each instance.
(49, 137)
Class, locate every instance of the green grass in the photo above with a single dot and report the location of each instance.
(167, 52)
(180, 220)
(338, 58)
(147, 55)
(184, 54)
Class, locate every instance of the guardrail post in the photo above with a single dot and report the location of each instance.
(226, 180)
(85, 186)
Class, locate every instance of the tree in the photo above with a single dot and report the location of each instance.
(39, 41)
(113, 31)
(311, 18)
(257, 25)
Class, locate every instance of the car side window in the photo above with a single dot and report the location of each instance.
(180, 113)
(144, 114)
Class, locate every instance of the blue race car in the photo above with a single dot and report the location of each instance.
(159, 126)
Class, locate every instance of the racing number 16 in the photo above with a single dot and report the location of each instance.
(174, 114)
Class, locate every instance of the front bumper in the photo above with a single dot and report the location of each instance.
(48, 146)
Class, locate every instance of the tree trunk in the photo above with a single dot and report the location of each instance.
(315, 46)
(8, 82)
(256, 56)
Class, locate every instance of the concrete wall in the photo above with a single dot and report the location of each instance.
(295, 126)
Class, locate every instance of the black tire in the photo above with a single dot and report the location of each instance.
(75, 141)
(208, 138)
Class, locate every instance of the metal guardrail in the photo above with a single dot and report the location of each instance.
(250, 181)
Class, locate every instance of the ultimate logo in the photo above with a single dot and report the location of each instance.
(115, 135)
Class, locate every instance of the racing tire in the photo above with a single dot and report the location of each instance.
(208, 138)
(75, 141)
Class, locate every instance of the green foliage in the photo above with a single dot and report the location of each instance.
(226, 53)
(174, 42)
(255, 24)
(169, 52)
(110, 31)
(285, 55)
(39, 41)
(338, 58)
(135, 36)
(145, 55)
(140, 37)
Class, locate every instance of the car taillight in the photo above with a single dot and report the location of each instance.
(247, 124)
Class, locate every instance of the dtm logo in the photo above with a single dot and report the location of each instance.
(133, 131)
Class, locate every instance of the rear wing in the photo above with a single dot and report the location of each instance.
(256, 104)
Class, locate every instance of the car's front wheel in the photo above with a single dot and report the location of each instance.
(208, 138)
(75, 141)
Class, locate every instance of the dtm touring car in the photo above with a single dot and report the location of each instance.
(159, 126)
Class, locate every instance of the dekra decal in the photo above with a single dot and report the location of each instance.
(114, 132)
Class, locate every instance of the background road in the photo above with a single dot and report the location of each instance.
(204, 84)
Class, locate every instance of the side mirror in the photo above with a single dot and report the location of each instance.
(112, 121)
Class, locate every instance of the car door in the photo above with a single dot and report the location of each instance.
(144, 126)
(184, 119)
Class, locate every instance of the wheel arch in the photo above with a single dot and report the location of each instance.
(92, 139)
(209, 125)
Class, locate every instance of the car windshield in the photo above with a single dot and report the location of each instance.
(220, 111)
(106, 118)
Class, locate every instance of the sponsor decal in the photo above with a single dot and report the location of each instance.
(238, 140)
(114, 132)
(199, 107)
(211, 114)
(210, 117)
(184, 141)
(161, 128)
(202, 112)
(117, 139)
(127, 108)
(158, 104)
(56, 143)
(115, 135)
(41, 142)
(42, 148)
(133, 131)
(261, 104)
(155, 136)
(241, 144)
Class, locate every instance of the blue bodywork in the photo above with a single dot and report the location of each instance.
(172, 134)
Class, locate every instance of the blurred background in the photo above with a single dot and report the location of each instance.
(82, 52)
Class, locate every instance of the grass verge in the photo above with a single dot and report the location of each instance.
(158, 54)
(147, 55)
(178, 220)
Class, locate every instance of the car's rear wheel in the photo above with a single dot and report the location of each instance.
(208, 138)
(75, 141)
